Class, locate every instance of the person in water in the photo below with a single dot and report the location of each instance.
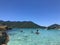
(4, 38)
(31, 31)
(21, 31)
(37, 32)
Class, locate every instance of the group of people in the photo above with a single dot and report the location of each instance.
(37, 32)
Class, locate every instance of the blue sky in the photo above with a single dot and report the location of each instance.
(42, 12)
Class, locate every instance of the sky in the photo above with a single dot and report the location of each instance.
(41, 12)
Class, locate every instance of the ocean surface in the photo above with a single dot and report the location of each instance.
(29, 37)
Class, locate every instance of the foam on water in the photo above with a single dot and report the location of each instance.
(46, 37)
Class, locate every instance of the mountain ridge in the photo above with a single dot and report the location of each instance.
(54, 26)
(19, 24)
(27, 24)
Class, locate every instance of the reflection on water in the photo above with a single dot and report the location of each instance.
(46, 37)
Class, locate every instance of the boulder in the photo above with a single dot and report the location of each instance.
(3, 27)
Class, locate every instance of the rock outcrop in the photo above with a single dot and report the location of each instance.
(3, 27)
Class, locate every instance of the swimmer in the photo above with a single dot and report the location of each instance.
(21, 31)
(37, 32)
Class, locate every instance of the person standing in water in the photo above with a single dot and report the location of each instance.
(37, 32)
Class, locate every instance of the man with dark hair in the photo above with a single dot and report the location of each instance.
(4, 38)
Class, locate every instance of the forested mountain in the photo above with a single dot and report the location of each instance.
(23, 24)
(54, 26)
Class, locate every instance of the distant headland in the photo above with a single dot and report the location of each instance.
(54, 26)
(26, 24)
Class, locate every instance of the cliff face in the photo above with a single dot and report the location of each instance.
(54, 26)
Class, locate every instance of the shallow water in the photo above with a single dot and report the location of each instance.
(27, 37)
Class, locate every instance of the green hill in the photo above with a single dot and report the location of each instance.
(54, 26)
(18, 24)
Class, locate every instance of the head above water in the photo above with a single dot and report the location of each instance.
(37, 30)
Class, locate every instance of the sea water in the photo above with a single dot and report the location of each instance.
(29, 37)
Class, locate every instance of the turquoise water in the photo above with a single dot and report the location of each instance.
(27, 37)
